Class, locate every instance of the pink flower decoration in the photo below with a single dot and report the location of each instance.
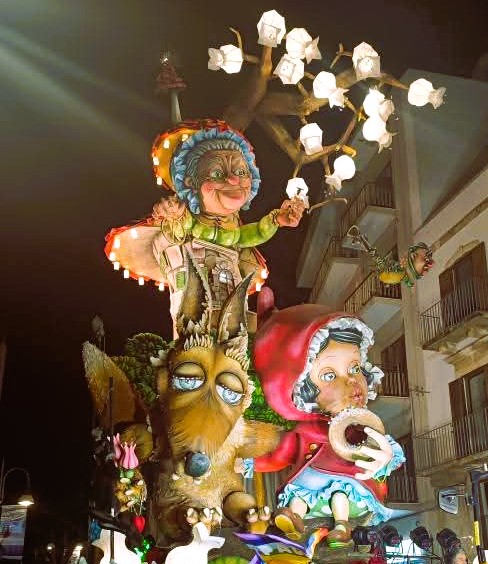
(118, 450)
(129, 460)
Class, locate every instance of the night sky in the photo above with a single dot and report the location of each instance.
(78, 115)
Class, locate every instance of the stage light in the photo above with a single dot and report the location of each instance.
(363, 536)
(390, 536)
(448, 540)
(421, 538)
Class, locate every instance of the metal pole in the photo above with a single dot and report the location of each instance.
(2, 481)
(175, 107)
(475, 480)
(111, 426)
(99, 330)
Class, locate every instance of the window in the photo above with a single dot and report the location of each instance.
(225, 277)
(394, 365)
(469, 266)
(402, 484)
(469, 408)
(395, 356)
(464, 287)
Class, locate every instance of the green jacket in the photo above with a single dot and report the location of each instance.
(249, 235)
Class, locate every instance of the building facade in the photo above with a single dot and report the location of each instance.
(431, 340)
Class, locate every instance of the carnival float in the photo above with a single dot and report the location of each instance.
(190, 424)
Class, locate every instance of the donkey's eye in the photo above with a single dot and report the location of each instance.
(185, 384)
(230, 387)
(228, 395)
(188, 376)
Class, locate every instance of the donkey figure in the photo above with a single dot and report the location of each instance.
(204, 390)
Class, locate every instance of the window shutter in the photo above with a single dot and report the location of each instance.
(446, 282)
(479, 261)
(457, 395)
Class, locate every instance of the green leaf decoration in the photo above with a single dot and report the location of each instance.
(136, 364)
(259, 410)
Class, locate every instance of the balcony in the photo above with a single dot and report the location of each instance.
(392, 405)
(374, 301)
(457, 321)
(394, 383)
(402, 488)
(337, 269)
(464, 439)
(372, 210)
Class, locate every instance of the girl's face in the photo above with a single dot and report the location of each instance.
(337, 373)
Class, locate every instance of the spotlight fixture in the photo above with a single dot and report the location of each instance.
(363, 536)
(448, 540)
(421, 538)
(390, 536)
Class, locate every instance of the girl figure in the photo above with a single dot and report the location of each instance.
(312, 365)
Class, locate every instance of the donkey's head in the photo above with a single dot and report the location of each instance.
(205, 387)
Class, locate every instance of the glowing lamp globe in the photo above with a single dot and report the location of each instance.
(371, 104)
(324, 84)
(344, 167)
(26, 500)
(289, 70)
(374, 128)
(422, 91)
(300, 45)
(229, 58)
(366, 61)
(311, 138)
(271, 29)
(297, 188)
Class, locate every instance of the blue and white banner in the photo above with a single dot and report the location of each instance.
(12, 531)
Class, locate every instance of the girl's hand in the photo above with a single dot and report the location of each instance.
(380, 456)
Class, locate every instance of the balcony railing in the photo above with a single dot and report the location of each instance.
(371, 194)
(334, 250)
(369, 288)
(465, 436)
(468, 299)
(402, 488)
(394, 382)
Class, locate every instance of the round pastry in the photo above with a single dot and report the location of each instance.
(354, 417)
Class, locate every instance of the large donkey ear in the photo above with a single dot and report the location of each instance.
(233, 316)
(194, 314)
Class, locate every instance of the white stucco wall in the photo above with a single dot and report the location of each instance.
(438, 373)
(446, 140)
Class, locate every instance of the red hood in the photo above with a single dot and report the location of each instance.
(280, 353)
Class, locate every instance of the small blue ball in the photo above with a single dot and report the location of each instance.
(197, 464)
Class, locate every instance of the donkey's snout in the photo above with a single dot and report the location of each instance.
(196, 464)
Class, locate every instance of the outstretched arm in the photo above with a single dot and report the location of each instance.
(289, 215)
(281, 457)
(259, 439)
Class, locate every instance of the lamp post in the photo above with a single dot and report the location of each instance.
(26, 498)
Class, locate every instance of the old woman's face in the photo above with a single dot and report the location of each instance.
(224, 181)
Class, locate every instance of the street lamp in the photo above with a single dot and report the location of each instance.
(26, 498)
